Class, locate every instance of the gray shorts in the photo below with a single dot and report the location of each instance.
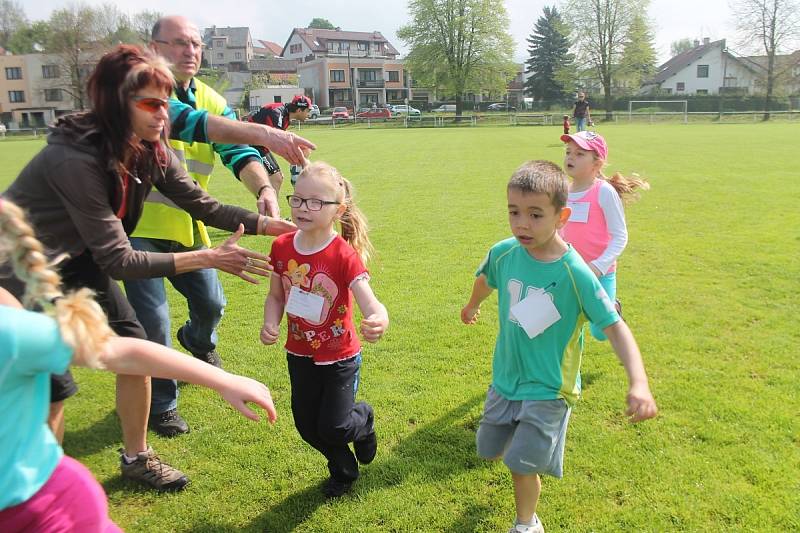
(528, 434)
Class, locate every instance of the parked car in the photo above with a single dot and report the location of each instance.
(340, 112)
(445, 108)
(501, 107)
(405, 110)
(379, 112)
(314, 111)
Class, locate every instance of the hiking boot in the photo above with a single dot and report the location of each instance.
(149, 469)
(212, 357)
(168, 424)
(336, 489)
(366, 448)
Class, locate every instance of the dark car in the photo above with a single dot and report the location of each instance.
(501, 107)
(380, 112)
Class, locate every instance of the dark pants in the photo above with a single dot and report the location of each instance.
(325, 411)
(77, 273)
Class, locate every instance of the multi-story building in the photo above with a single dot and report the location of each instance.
(348, 68)
(32, 90)
(228, 48)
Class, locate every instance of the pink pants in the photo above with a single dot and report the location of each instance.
(71, 501)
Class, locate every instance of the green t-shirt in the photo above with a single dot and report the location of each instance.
(546, 367)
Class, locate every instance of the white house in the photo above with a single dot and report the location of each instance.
(705, 69)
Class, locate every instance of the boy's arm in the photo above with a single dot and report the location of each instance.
(641, 404)
(480, 291)
(273, 311)
(376, 317)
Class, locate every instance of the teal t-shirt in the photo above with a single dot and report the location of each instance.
(546, 367)
(31, 349)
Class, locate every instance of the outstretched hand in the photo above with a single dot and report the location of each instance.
(233, 259)
(277, 226)
(291, 147)
(239, 391)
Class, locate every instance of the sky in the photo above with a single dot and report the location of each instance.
(673, 19)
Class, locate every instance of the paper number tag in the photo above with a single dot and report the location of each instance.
(304, 304)
(536, 312)
(580, 211)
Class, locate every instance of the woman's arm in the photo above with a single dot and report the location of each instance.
(144, 358)
(376, 318)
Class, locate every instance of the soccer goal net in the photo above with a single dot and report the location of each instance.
(652, 108)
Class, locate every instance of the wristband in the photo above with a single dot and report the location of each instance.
(260, 190)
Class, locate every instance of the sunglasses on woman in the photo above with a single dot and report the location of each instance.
(150, 104)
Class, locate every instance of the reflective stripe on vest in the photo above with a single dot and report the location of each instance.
(161, 218)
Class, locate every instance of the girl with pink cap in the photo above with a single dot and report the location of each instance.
(596, 226)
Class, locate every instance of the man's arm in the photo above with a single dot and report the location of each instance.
(255, 178)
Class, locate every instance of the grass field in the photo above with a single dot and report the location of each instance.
(709, 283)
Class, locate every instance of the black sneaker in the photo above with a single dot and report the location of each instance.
(212, 357)
(366, 448)
(336, 489)
(168, 424)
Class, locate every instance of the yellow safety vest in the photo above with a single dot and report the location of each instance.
(161, 218)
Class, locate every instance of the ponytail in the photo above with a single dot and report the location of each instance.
(354, 225)
(626, 186)
(82, 322)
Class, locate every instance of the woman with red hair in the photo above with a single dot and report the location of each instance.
(84, 193)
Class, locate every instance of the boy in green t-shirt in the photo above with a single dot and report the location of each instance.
(546, 293)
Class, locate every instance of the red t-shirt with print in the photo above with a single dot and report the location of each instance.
(327, 272)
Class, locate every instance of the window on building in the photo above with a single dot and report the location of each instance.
(238, 55)
(295, 48)
(363, 46)
(13, 73)
(701, 92)
(50, 71)
(53, 95)
(337, 75)
(702, 71)
(394, 75)
(668, 90)
(680, 86)
(16, 96)
(345, 46)
(369, 75)
(220, 55)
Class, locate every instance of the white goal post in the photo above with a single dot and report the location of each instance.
(684, 104)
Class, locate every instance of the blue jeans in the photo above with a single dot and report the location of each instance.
(206, 303)
(609, 283)
(580, 123)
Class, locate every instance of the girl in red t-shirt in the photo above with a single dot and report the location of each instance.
(317, 273)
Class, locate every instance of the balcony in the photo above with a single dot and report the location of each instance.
(371, 84)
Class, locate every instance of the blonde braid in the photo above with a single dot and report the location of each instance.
(82, 322)
(354, 225)
(626, 186)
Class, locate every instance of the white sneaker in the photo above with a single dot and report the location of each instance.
(537, 527)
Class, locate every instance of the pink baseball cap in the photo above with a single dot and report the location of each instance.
(589, 140)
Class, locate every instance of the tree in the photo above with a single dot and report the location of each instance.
(29, 39)
(639, 54)
(142, 24)
(12, 19)
(680, 46)
(321, 24)
(549, 57)
(459, 45)
(600, 40)
(769, 25)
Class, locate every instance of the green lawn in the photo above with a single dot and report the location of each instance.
(707, 282)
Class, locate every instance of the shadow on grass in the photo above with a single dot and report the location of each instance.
(94, 438)
(437, 450)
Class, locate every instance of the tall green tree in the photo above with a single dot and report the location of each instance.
(321, 24)
(12, 19)
(768, 25)
(600, 38)
(639, 54)
(680, 46)
(30, 39)
(549, 57)
(459, 46)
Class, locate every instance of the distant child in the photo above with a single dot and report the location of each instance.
(596, 226)
(545, 294)
(566, 124)
(316, 270)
